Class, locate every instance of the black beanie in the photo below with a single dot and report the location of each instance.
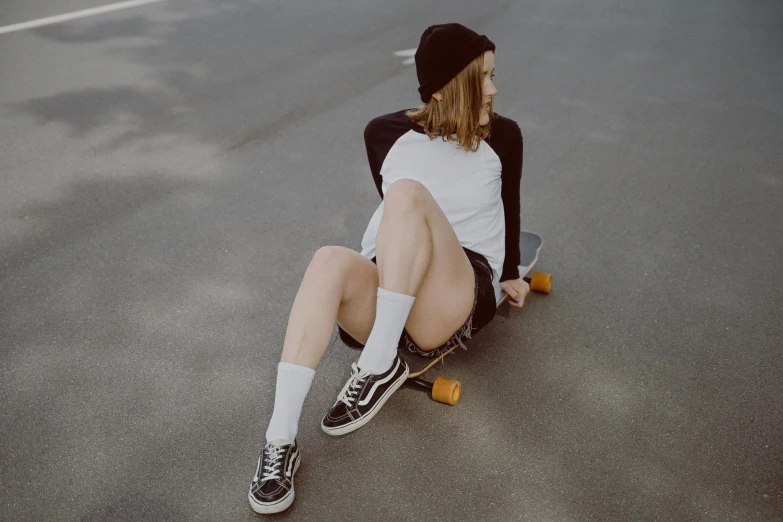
(444, 50)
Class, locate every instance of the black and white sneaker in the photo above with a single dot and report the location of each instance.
(362, 397)
(272, 489)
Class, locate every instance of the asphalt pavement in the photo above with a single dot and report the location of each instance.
(168, 170)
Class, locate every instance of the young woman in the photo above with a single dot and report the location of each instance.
(446, 231)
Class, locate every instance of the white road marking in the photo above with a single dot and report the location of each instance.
(74, 15)
(408, 54)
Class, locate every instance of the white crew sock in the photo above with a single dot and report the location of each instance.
(293, 383)
(391, 312)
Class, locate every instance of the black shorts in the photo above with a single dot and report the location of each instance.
(483, 312)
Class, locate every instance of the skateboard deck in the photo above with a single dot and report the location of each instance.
(448, 390)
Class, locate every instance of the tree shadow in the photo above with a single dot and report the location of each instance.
(85, 208)
(89, 110)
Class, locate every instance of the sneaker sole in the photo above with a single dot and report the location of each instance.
(358, 423)
(281, 505)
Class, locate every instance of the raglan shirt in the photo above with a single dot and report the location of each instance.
(477, 191)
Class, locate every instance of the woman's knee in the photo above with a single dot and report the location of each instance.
(329, 259)
(407, 195)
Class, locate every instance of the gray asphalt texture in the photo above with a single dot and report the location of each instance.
(168, 171)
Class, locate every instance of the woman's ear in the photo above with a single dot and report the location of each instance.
(438, 96)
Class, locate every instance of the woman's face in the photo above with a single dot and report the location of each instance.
(488, 86)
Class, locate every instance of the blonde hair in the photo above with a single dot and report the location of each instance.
(456, 117)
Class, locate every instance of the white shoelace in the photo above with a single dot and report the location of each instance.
(271, 463)
(353, 385)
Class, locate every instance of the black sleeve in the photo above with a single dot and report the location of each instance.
(379, 137)
(370, 139)
(511, 177)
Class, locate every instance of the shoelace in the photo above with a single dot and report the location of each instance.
(273, 454)
(353, 385)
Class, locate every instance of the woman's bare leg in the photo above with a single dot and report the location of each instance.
(419, 254)
(426, 285)
(338, 283)
(335, 281)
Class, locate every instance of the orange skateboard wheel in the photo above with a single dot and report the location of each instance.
(541, 282)
(446, 391)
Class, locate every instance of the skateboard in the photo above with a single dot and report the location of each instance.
(447, 391)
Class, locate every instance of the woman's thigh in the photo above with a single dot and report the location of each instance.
(445, 298)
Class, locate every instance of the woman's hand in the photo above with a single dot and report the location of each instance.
(517, 290)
